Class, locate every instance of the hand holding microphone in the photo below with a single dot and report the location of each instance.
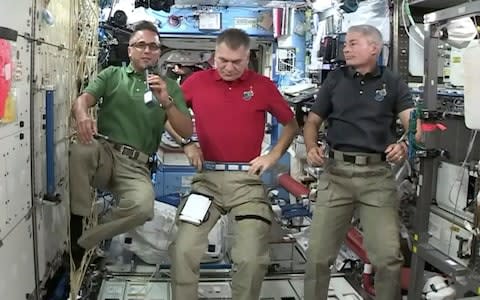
(157, 86)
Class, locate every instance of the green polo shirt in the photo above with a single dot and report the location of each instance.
(123, 115)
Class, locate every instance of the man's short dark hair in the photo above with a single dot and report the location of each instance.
(144, 25)
(234, 38)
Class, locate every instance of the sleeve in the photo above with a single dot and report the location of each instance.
(187, 89)
(323, 103)
(404, 97)
(177, 95)
(277, 104)
(99, 85)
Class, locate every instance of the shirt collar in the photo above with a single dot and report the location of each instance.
(244, 76)
(377, 72)
(130, 70)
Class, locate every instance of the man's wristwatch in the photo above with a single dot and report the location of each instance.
(186, 141)
(168, 105)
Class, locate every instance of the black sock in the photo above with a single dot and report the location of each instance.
(76, 229)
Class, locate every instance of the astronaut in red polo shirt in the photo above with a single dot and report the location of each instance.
(230, 104)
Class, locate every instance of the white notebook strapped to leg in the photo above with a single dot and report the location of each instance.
(195, 210)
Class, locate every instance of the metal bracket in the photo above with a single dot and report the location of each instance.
(461, 244)
(431, 115)
(432, 153)
(30, 296)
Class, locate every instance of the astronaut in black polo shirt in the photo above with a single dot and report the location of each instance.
(360, 103)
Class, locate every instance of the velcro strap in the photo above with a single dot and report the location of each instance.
(253, 217)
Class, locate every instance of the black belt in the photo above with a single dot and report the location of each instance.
(131, 152)
(359, 159)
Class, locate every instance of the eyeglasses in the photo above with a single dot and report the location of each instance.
(141, 46)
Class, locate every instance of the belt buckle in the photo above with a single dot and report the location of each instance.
(129, 152)
(210, 166)
(361, 160)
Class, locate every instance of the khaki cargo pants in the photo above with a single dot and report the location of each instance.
(98, 165)
(243, 197)
(343, 187)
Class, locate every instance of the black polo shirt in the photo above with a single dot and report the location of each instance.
(361, 110)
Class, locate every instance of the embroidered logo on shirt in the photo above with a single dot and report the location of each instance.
(380, 94)
(247, 95)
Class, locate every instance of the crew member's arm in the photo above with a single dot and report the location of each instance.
(174, 104)
(289, 132)
(404, 117)
(86, 127)
(192, 149)
(318, 113)
(262, 163)
(280, 109)
(172, 132)
(315, 154)
(397, 152)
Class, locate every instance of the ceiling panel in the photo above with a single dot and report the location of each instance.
(248, 3)
(435, 4)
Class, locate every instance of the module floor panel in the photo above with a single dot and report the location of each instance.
(134, 288)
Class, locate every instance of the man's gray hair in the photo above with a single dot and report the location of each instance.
(369, 31)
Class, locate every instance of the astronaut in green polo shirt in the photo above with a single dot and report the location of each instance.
(113, 152)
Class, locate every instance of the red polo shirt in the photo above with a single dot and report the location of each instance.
(230, 116)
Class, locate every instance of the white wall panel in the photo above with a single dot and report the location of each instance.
(15, 162)
(16, 256)
(52, 233)
(15, 187)
(18, 177)
(54, 62)
(3, 190)
(16, 15)
(58, 33)
(16, 245)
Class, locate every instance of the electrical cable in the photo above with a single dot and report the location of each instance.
(476, 26)
(406, 27)
(461, 174)
(406, 8)
(86, 47)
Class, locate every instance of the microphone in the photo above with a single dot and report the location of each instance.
(153, 69)
(150, 70)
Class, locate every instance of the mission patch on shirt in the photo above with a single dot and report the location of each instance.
(361, 110)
